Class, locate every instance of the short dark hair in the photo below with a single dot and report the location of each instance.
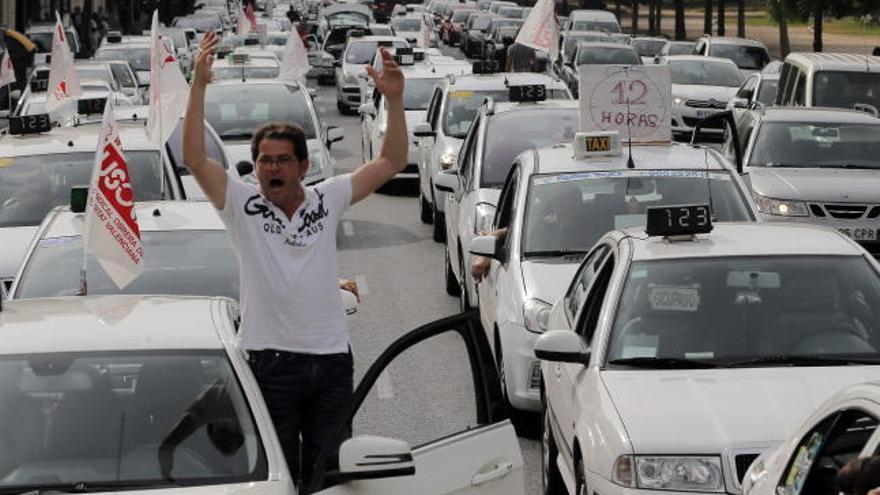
(282, 132)
(848, 475)
(869, 475)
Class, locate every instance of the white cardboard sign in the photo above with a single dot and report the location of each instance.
(635, 100)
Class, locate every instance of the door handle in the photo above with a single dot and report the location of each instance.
(558, 371)
(500, 470)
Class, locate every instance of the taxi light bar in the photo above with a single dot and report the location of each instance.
(679, 221)
(419, 56)
(39, 85)
(240, 58)
(41, 74)
(602, 143)
(78, 197)
(527, 92)
(114, 37)
(404, 50)
(385, 43)
(90, 106)
(405, 59)
(30, 124)
(486, 67)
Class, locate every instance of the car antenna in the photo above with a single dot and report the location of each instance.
(629, 160)
(709, 183)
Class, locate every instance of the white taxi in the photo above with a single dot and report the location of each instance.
(359, 52)
(86, 407)
(679, 352)
(39, 164)
(556, 203)
(242, 67)
(451, 110)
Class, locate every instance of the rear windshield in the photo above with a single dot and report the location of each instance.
(611, 27)
(417, 93)
(745, 57)
(462, 107)
(406, 24)
(707, 73)
(608, 55)
(139, 58)
(362, 52)
(245, 73)
(648, 48)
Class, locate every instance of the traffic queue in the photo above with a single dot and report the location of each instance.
(663, 252)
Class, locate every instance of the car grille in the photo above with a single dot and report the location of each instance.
(692, 122)
(352, 90)
(845, 211)
(742, 462)
(706, 104)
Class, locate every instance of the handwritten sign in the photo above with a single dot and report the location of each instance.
(635, 100)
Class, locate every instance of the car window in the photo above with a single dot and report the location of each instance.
(648, 48)
(417, 93)
(708, 73)
(748, 88)
(434, 108)
(577, 293)
(362, 52)
(123, 75)
(609, 26)
(745, 57)
(468, 151)
(767, 91)
(846, 89)
(824, 450)
(30, 186)
(190, 262)
(462, 107)
(138, 57)
(607, 55)
(221, 73)
(829, 312)
(100, 417)
(507, 201)
(595, 300)
(235, 111)
(800, 90)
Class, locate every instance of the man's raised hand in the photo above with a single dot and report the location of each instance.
(389, 82)
(202, 74)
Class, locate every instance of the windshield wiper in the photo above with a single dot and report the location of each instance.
(554, 252)
(85, 487)
(854, 166)
(784, 360)
(664, 363)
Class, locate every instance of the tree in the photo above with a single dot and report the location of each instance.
(778, 10)
(707, 16)
(635, 17)
(680, 31)
(741, 18)
(651, 14)
(818, 17)
(721, 29)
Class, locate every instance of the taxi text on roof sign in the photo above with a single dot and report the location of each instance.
(632, 100)
(604, 143)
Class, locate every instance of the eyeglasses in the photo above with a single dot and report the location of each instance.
(281, 160)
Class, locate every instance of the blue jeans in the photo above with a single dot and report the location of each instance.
(306, 394)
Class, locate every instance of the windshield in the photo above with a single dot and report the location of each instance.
(480, 22)
(460, 15)
(417, 93)
(607, 55)
(93, 73)
(462, 107)
(139, 58)
(406, 24)
(571, 211)
(680, 48)
(845, 89)
(571, 42)
(235, 111)
(759, 307)
(348, 19)
(44, 41)
(506, 22)
(745, 57)
(767, 91)
(819, 144)
(705, 73)
(30, 186)
(362, 52)
(244, 72)
(611, 27)
(511, 133)
(189, 262)
(98, 418)
(648, 48)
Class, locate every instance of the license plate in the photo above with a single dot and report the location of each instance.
(702, 114)
(860, 233)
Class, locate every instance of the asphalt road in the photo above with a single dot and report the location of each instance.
(399, 269)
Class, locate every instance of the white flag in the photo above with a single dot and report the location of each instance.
(424, 40)
(63, 82)
(243, 25)
(168, 88)
(295, 62)
(7, 71)
(540, 30)
(110, 228)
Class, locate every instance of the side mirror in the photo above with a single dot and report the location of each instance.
(656, 59)
(371, 457)
(334, 134)
(562, 346)
(313, 92)
(367, 109)
(446, 181)
(423, 129)
(740, 103)
(244, 168)
(487, 246)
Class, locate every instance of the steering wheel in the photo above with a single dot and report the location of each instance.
(143, 462)
(840, 338)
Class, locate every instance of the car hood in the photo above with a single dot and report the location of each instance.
(816, 184)
(547, 278)
(707, 411)
(16, 240)
(350, 72)
(703, 92)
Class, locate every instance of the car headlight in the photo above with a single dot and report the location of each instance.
(447, 160)
(781, 207)
(483, 217)
(316, 165)
(755, 472)
(679, 473)
(678, 100)
(536, 314)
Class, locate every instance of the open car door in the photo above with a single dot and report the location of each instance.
(463, 442)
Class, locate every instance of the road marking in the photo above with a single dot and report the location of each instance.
(347, 228)
(363, 288)
(383, 385)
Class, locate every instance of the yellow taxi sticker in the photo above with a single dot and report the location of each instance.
(462, 94)
(598, 143)
(7, 162)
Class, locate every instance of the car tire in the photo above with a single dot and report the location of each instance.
(551, 479)
(439, 232)
(426, 214)
(452, 286)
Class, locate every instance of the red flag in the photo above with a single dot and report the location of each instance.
(249, 13)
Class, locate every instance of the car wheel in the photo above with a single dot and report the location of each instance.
(426, 214)
(452, 286)
(439, 225)
(551, 479)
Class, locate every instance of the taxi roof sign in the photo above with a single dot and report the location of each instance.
(486, 67)
(39, 85)
(634, 100)
(682, 221)
(527, 92)
(91, 106)
(239, 58)
(602, 143)
(30, 124)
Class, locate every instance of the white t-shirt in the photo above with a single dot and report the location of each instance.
(288, 269)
